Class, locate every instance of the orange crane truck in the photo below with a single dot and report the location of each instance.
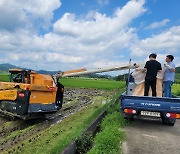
(29, 95)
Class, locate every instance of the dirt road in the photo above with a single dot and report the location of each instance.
(151, 137)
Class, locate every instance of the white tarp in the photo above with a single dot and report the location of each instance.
(139, 79)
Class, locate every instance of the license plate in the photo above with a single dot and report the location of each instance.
(152, 114)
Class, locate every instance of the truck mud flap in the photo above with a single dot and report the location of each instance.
(17, 107)
(22, 102)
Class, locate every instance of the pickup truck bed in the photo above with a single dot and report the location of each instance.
(168, 109)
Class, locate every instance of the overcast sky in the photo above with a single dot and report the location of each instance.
(70, 34)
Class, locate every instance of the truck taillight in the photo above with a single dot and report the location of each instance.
(21, 95)
(51, 88)
(171, 115)
(132, 111)
(177, 116)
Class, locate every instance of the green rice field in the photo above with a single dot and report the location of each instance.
(176, 89)
(4, 77)
(83, 82)
(92, 83)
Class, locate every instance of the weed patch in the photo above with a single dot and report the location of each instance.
(84, 142)
(109, 139)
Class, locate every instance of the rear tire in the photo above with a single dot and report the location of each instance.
(169, 122)
(129, 117)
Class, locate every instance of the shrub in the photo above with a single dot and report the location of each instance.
(84, 142)
(177, 93)
(110, 137)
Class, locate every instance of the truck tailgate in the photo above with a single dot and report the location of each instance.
(151, 103)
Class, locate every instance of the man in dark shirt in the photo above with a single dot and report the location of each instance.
(59, 94)
(152, 67)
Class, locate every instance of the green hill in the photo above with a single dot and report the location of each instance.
(6, 67)
(177, 78)
(178, 69)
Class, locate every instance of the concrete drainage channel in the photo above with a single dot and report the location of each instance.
(93, 128)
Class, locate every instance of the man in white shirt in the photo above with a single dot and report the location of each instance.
(168, 76)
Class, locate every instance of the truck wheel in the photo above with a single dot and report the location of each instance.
(166, 121)
(130, 118)
(171, 124)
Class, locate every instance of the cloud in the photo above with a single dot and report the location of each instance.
(97, 40)
(99, 25)
(20, 14)
(74, 41)
(161, 58)
(55, 57)
(103, 2)
(167, 41)
(46, 56)
(158, 24)
(98, 32)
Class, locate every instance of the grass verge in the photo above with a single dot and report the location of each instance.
(109, 139)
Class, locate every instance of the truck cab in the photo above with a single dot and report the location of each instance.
(20, 76)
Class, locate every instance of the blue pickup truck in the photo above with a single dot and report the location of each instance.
(168, 109)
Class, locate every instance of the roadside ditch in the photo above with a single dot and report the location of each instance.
(104, 135)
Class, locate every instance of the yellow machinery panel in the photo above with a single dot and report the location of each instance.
(43, 89)
(41, 79)
(11, 85)
(42, 97)
(8, 95)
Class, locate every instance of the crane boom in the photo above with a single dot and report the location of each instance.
(84, 71)
(99, 70)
